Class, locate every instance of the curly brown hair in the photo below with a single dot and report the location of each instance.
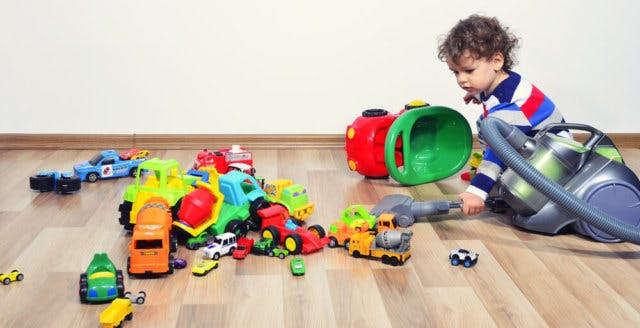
(482, 36)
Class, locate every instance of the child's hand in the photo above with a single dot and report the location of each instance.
(470, 97)
(471, 204)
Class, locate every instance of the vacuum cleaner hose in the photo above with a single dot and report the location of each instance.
(496, 132)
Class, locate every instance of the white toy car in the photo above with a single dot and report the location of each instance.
(468, 258)
(137, 298)
(223, 244)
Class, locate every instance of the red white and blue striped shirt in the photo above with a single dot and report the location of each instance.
(520, 104)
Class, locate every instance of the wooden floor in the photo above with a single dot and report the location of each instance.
(521, 280)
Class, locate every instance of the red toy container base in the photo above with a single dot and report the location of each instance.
(364, 143)
(196, 207)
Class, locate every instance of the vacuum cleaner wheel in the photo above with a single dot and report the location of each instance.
(617, 198)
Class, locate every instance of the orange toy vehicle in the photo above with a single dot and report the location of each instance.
(152, 241)
(343, 232)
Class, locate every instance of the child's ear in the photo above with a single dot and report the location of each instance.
(497, 61)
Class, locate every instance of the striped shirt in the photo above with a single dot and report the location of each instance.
(520, 104)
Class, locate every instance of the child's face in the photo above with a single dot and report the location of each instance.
(477, 75)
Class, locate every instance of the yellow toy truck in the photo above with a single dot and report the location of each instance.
(118, 311)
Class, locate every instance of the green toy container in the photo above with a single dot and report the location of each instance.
(436, 143)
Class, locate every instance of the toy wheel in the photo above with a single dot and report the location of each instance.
(467, 263)
(175, 208)
(174, 243)
(374, 112)
(125, 215)
(317, 230)
(83, 294)
(385, 259)
(133, 171)
(347, 243)
(293, 243)
(255, 219)
(42, 182)
(127, 294)
(142, 293)
(356, 254)
(92, 177)
(20, 277)
(271, 253)
(171, 264)
(120, 288)
(333, 242)
(394, 261)
(140, 300)
(455, 260)
(238, 227)
(66, 185)
(273, 233)
(129, 316)
(216, 256)
(6, 281)
(83, 278)
(281, 256)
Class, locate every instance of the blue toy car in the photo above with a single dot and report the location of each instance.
(106, 164)
(63, 183)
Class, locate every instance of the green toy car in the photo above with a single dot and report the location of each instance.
(101, 282)
(279, 252)
(262, 246)
(297, 266)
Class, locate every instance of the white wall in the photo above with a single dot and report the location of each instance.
(291, 66)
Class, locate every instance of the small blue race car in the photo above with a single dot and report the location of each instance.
(106, 164)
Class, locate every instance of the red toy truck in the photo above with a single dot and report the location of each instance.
(224, 160)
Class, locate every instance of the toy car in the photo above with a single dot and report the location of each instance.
(119, 310)
(262, 246)
(134, 153)
(101, 282)
(279, 226)
(61, 182)
(244, 247)
(297, 266)
(279, 252)
(14, 275)
(179, 263)
(223, 244)
(203, 267)
(106, 164)
(468, 258)
(138, 298)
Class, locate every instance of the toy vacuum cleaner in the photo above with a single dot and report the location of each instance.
(551, 183)
(420, 144)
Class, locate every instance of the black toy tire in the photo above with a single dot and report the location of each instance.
(375, 112)
(255, 221)
(41, 183)
(317, 230)
(238, 227)
(298, 242)
(67, 185)
(275, 233)
(125, 215)
(133, 171)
